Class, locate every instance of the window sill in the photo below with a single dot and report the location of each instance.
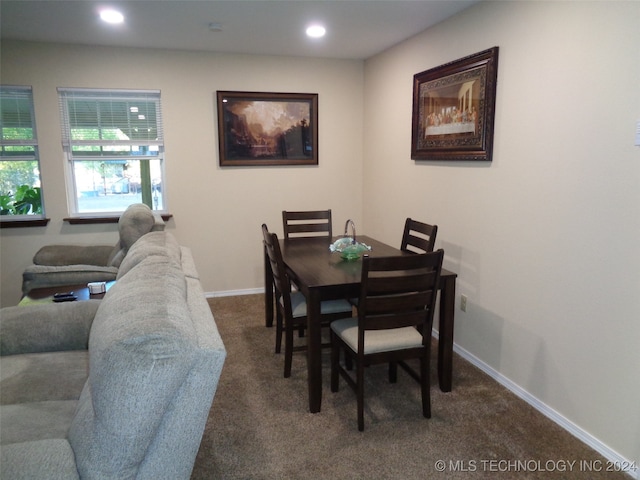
(92, 220)
(36, 222)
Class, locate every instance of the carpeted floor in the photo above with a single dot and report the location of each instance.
(260, 428)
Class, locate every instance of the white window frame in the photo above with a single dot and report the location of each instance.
(26, 93)
(104, 96)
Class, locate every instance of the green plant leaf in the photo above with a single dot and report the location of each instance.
(26, 200)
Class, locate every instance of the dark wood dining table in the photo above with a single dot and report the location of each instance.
(322, 275)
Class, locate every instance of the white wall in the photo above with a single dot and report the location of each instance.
(217, 212)
(544, 238)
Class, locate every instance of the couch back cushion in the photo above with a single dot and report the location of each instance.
(137, 220)
(141, 347)
(134, 222)
(153, 244)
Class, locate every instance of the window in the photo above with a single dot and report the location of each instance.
(20, 192)
(113, 141)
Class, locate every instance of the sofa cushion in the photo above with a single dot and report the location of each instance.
(32, 421)
(39, 393)
(158, 244)
(142, 346)
(41, 460)
(188, 265)
(36, 377)
(136, 221)
(46, 327)
(116, 257)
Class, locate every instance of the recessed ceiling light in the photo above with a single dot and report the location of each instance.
(316, 31)
(111, 16)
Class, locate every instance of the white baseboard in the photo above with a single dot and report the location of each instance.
(611, 455)
(233, 293)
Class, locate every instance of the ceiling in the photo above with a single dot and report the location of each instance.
(356, 29)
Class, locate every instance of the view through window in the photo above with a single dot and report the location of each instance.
(20, 189)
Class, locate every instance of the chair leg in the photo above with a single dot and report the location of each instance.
(360, 394)
(393, 372)
(288, 350)
(278, 331)
(425, 386)
(335, 363)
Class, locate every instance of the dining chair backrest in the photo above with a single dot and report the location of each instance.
(291, 306)
(313, 223)
(398, 292)
(418, 237)
(281, 280)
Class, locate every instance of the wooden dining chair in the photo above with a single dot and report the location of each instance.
(395, 317)
(418, 237)
(291, 306)
(314, 223)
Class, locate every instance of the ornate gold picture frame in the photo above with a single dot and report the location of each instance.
(454, 109)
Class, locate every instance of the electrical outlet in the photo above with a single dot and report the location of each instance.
(463, 303)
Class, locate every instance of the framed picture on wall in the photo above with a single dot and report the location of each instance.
(267, 129)
(454, 109)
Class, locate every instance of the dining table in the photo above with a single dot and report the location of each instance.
(321, 274)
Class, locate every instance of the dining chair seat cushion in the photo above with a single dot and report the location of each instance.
(377, 340)
(299, 306)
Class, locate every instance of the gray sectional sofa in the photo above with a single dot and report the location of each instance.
(113, 388)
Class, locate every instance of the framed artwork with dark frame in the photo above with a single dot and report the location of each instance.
(454, 109)
(267, 129)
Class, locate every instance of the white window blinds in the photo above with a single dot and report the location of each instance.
(19, 139)
(94, 121)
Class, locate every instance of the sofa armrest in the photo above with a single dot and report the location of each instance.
(58, 255)
(44, 276)
(46, 327)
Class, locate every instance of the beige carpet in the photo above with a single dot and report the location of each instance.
(260, 428)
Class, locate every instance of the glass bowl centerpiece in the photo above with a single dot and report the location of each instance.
(347, 246)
